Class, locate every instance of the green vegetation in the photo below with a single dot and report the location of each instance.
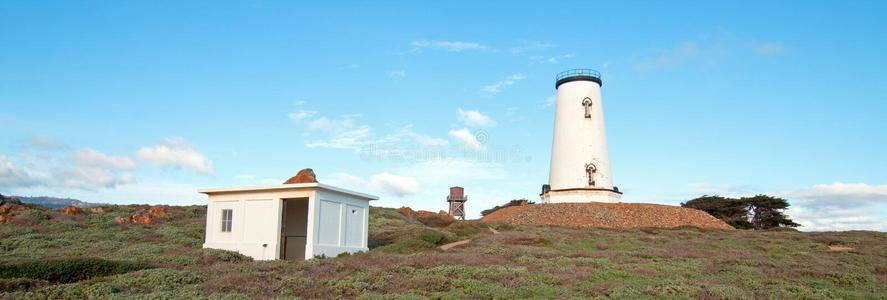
(405, 263)
(766, 211)
(515, 202)
(68, 270)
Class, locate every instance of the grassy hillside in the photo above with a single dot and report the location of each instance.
(164, 260)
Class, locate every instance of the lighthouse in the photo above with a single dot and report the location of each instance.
(580, 166)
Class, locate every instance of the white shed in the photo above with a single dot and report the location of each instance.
(289, 221)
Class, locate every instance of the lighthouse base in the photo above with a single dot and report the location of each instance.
(581, 195)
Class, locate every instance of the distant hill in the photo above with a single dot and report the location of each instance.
(53, 202)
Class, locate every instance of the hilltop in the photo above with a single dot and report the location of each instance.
(606, 215)
(163, 259)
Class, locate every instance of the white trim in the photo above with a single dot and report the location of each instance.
(291, 186)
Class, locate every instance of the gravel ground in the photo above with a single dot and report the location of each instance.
(606, 215)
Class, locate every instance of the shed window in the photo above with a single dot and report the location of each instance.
(227, 215)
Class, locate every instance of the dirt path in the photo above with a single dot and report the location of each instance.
(452, 245)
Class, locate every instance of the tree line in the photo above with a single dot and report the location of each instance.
(758, 212)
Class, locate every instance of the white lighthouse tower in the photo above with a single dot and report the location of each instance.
(580, 166)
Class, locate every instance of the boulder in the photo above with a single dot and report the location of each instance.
(121, 220)
(96, 210)
(157, 212)
(9, 207)
(149, 216)
(407, 212)
(142, 218)
(69, 211)
(439, 219)
(304, 176)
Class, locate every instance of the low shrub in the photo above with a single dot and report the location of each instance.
(467, 228)
(432, 236)
(157, 280)
(407, 247)
(435, 220)
(217, 255)
(69, 270)
(515, 202)
(9, 285)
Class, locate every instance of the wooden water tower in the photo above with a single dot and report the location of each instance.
(457, 199)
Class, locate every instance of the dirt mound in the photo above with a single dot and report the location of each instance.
(606, 215)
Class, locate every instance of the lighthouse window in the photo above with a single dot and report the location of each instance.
(590, 170)
(587, 103)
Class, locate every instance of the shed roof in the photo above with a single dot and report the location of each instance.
(292, 186)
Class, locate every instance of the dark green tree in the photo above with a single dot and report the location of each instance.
(515, 202)
(732, 211)
(767, 212)
(758, 212)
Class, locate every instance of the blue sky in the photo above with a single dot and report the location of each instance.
(149, 101)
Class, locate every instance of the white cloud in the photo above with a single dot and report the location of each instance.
(699, 189)
(540, 59)
(302, 114)
(421, 139)
(344, 132)
(475, 118)
(47, 143)
(352, 181)
(443, 170)
(550, 101)
(396, 185)
(349, 67)
(770, 48)
(845, 194)
(85, 169)
(385, 182)
(531, 46)
(94, 170)
(91, 178)
(451, 46)
(498, 87)
(176, 153)
(93, 159)
(839, 206)
(14, 176)
(467, 138)
(341, 133)
(670, 58)
(398, 73)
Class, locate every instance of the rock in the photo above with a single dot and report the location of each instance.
(120, 220)
(97, 210)
(157, 211)
(407, 212)
(142, 218)
(70, 211)
(149, 216)
(304, 176)
(9, 207)
(440, 219)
